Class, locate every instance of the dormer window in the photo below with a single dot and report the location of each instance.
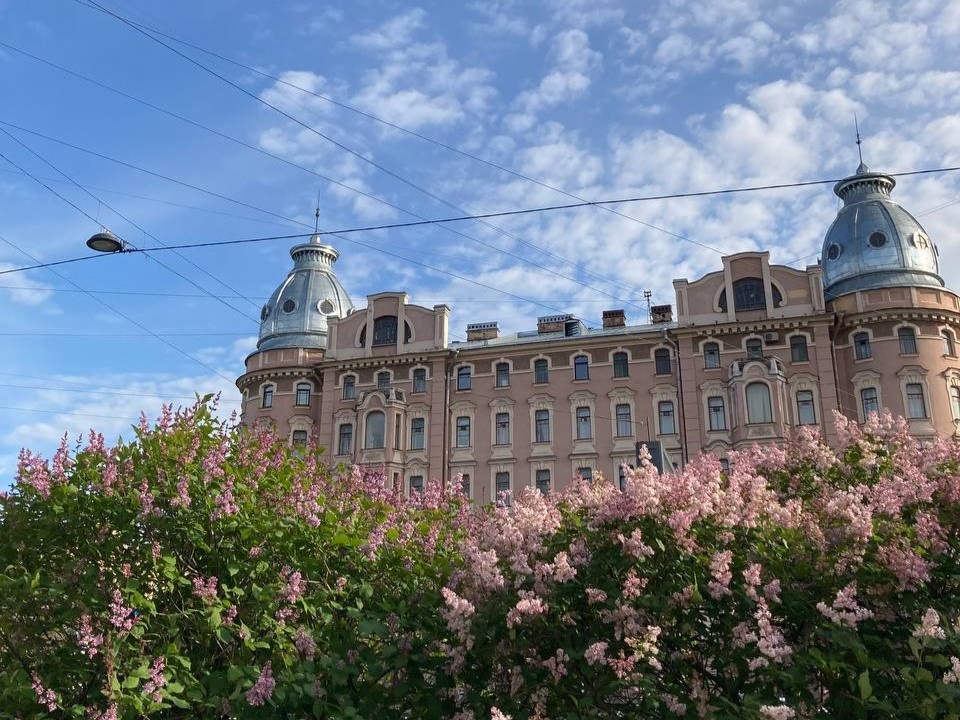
(877, 239)
(749, 294)
(385, 330)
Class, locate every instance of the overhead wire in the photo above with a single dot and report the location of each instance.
(363, 158)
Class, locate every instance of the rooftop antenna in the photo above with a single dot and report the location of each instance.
(856, 124)
(647, 294)
(316, 216)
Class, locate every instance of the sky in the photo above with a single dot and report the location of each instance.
(195, 122)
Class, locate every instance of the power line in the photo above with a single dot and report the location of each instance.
(64, 412)
(363, 158)
(97, 392)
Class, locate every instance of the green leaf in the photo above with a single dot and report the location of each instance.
(863, 682)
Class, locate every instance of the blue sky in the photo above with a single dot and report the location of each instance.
(598, 98)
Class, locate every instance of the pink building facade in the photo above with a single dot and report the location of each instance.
(747, 354)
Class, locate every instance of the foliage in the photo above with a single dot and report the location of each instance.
(205, 572)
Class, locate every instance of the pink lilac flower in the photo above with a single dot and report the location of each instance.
(295, 585)
(88, 640)
(930, 626)
(262, 689)
(953, 674)
(156, 681)
(528, 606)
(596, 653)
(109, 714)
(845, 610)
(720, 570)
(674, 705)
(633, 586)
(595, 596)
(45, 696)
(305, 644)
(495, 714)
(777, 712)
(634, 545)
(205, 589)
(122, 616)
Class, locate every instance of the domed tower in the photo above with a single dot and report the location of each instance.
(280, 385)
(895, 335)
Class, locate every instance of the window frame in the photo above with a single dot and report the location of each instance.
(767, 414)
(799, 351)
(416, 484)
(499, 476)
(955, 401)
(369, 439)
(666, 410)
(385, 330)
(810, 405)
(907, 337)
(916, 394)
(381, 376)
(303, 389)
(462, 431)
(299, 438)
(754, 348)
(501, 422)
(716, 411)
(623, 416)
(418, 433)
(541, 422)
(621, 365)
(584, 423)
(662, 362)
(581, 367)
(875, 401)
(949, 343)
(861, 345)
(266, 395)
(541, 371)
(345, 437)
(349, 387)
(542, 478)
(501, 372)
(464, 378)
(711, 355)
(419, 380)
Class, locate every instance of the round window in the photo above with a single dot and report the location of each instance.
(325, 306)
(877, 239)
(264, 313)
(289, 306)
(833, 252)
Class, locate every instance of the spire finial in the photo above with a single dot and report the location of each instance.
(856, 124)
(316, 215)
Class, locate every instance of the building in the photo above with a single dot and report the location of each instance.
(754, 351)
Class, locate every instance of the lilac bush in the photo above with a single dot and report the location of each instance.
(203, 572)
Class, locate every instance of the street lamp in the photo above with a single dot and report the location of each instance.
(106, 242)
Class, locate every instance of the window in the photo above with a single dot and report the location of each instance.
(541, 422)
(345, 439)
(798, 348)
(711, 355)
(376, 430)
(665, 412)
(586, 473)
(463, 431)
(385, 330)
(725, 466)
(916, 407)
(754, 349)
(584, 430)
(624, 421)
(748, 294)
(543, 481)
(502, 480)
(503, 374)
(419, 380)
(299, 438)
(349, 387)
(541, 372)
(806, 415)
(621, 367)
(267, 400)
(581, 368)
(416, 484)
(465, 484)
(622, 477)
(463, 378)
(661, 361)
(955, 401)
(397, 425)
(861, 346)
(949, 348)
(383, 381)
(417, 433)
(503, 429)
(759, 409)
(716, 413)
(908, 340)
(869, 401)
(303, 393)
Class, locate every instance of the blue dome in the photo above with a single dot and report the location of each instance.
(296, 314)
(874, 242)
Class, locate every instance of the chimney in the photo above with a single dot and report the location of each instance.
(552, 323)
(661, 314)
(483, 331)
(614, 318)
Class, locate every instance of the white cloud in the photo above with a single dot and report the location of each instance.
(394, 33)
(23, 289)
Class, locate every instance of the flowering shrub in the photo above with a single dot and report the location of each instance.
(803, 583)
(204, 572)
(201, 572)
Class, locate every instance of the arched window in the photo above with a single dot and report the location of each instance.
(303, 393)
(621, 365)
(908, 340)
(749, 294)
(759, 409)
(581, 368)
(711, 355)
(375, 436)
(385, 330)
